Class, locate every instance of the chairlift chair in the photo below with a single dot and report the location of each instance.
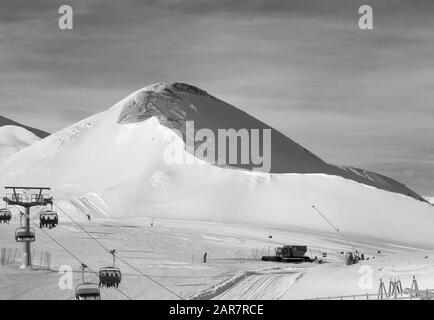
(110, 276)
(48, 218)
(87, 290)
(21, 235)
(5, 215)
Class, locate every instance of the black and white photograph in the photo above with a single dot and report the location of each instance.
(235, 150)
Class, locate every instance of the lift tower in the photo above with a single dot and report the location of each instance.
(27, 197)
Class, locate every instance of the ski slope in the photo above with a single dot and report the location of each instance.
(170, 252)
(265, 285)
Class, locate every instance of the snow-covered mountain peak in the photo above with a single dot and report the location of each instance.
(170, 103)
(178, 103)
(157, 100)
(175, 86)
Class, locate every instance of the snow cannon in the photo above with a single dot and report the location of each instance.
(353, 257)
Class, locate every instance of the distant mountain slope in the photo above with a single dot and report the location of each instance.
(8, 122)
(14, 139)
(174, 104)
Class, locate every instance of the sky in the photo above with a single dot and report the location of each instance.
(356, 97)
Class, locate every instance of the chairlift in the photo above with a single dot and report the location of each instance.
(87, 290)
(48, 219)
(21, 235)
(5, 216)
(110, 276)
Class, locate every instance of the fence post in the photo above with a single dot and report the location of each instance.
(15, 255)
(2, 258)
(9, 255)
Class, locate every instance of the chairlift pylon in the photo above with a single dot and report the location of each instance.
(27, 197)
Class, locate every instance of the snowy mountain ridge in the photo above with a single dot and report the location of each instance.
(430, 200)
(15, 137)
(177, 103)
(116, 169)
(8, 122)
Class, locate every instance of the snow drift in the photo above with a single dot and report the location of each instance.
(116, 156)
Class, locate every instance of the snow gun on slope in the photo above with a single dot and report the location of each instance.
(351, 257)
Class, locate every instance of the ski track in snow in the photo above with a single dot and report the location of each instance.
(261, 286)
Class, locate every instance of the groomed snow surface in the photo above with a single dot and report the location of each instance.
(171, 252)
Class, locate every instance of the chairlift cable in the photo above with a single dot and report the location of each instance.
(123, 260)
(76, 258)
(172, 277)
(72, 255)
